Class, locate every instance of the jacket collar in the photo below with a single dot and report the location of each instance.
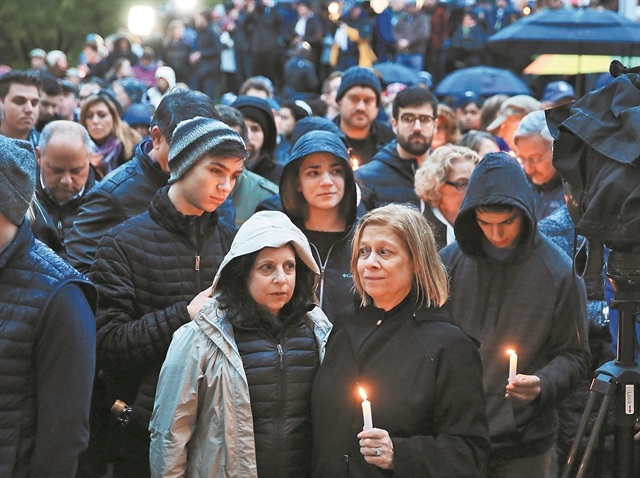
(148, 165)
(19, 246)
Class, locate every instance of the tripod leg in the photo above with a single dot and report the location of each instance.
(579, 434)
(595, 432)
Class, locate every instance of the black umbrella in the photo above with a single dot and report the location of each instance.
(575, 31)
(396, 73)
(483, 81)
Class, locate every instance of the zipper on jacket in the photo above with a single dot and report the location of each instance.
(197, 263)
(323, 267)
(281, 356)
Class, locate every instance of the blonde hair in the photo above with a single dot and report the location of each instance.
(446, 113)
(429, 278)
(127, 135)
(436, 170)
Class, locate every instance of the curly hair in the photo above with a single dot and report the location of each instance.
(236, 301)
(434, 172)
(448, 116)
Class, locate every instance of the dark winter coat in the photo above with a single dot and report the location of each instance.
(379, 135)
(530, 302)
(439, 229)
(47, 358)
(387, 179)
(147, 270)
(411, 369)
(125, 192)
(53, 222)
(281, 426)
(548, 197)
(265, 29)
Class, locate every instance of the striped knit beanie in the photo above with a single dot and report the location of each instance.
(193, 138)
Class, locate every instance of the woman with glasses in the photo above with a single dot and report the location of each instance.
(114, 139)
(441, 184)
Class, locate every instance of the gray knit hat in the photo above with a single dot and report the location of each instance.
(17, 178)
(194, 137)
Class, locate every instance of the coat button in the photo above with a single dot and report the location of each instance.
(345, 458)
(218, 335)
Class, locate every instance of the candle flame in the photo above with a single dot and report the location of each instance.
(355, 164)
(363, 394)
(511, 352)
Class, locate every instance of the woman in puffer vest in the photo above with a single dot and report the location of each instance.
(233, 397)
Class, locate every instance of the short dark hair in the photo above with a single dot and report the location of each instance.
(50, 85)
(181, 105)
(414, 96)
(96, 80)
(496, 208)
(241, 308)
(22, 78)
(232, 117)
(229, 149)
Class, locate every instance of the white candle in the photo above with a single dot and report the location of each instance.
(513, 365)
(366, 411)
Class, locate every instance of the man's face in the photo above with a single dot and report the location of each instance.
(468, 117)
(414, 136)
(207, 184)
(67, 104)
(500, 228)
(162, 85)
(20, 110)
(37, 62)
(47, 106)
(330, 96)
(257, 93)
(256, 138)
(91, 54)
(64, 166)
(358, 107)
(287, 121)
(535, 156)
(86, 90)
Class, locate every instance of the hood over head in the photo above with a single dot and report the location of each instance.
(497, 180)
(268, 229)
(316, 142)
(258, 110)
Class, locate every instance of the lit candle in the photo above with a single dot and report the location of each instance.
(366, 411)
(513, 365)
(355, 164)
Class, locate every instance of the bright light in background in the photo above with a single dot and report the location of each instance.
(379, 5)
(186, 6)
(334, 11)
(526, 11)
(141, 20)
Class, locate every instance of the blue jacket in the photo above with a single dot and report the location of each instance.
(47, 360)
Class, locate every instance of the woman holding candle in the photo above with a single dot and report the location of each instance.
(421, 375)
(318, 193)
(233, 396)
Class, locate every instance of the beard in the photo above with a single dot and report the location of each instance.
(416, 144)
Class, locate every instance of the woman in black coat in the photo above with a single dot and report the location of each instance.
(422, 375)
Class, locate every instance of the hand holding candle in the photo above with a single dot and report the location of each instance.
(513, 365)
(366, 411)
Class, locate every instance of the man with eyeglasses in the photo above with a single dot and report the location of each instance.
(534, 145)
(389, 177)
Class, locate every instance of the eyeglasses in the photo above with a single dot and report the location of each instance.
(408, 120)
(532, 161)
(460, 186)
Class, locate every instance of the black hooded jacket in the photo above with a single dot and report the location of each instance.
(335, 288)
(529, 301)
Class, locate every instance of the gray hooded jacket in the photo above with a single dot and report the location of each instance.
(202, 424)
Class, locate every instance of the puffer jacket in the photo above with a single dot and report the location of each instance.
(530, 301)
(203, 422)
(47, 349)
(53, 222)
(147, 270)
(387, 179)
(125, 192)
(335, 289)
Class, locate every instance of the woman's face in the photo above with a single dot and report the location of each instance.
(385, 267)
(452, 195)
(442, 132)
(125, 70)
(99, 121)
(287, 121)
(272, 279)
(321, 179)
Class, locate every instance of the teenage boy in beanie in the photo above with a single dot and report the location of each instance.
(358, 98)
(47, 351)
(262, 133)
(153, 272)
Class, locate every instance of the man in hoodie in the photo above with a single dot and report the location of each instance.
(511, 288)
(154, 272)
(388, 178)
(262, 134)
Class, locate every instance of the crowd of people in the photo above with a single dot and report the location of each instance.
(243, 231)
